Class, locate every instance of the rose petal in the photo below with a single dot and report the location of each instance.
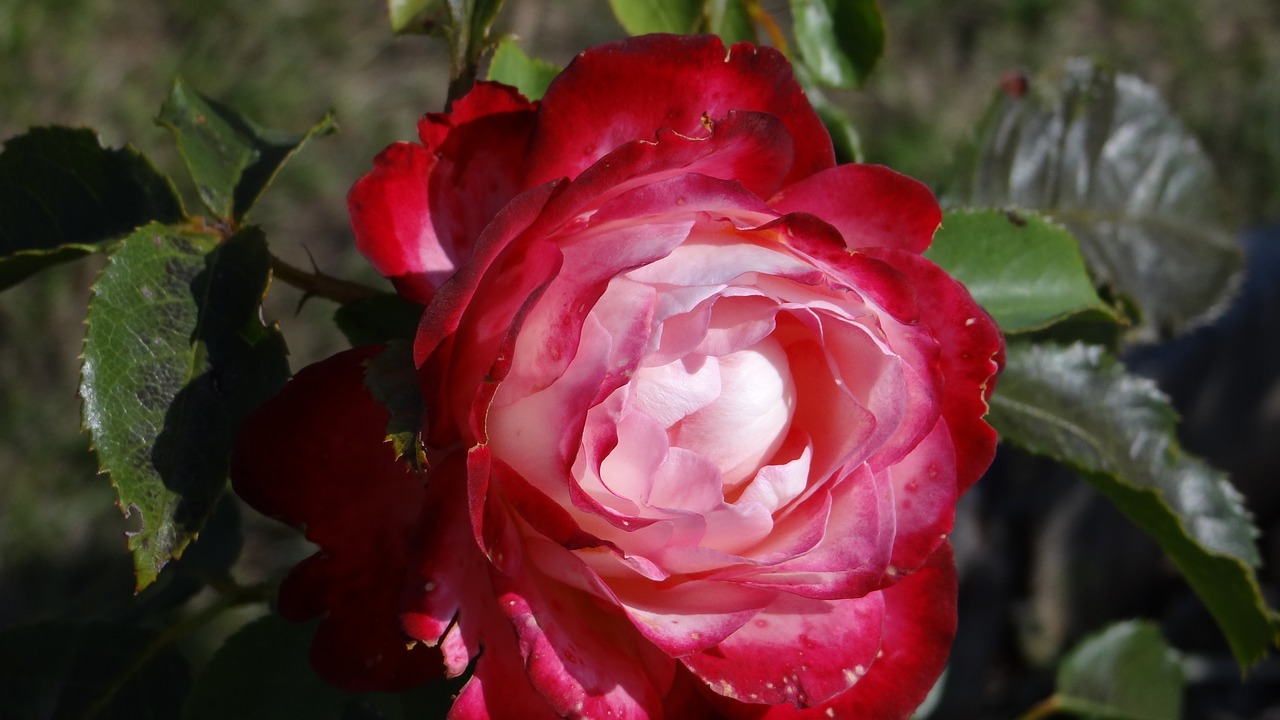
(615, 93)
(315, 457)
(871, 206)
(797, 650)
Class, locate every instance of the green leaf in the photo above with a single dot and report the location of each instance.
(378, 319)
(844, 136)
(61, 670)
(1023, 269)
(730, 20)
(409, 15)
(531, 76)
(840, 41)
(640, 17)
(262, 673)
(62, 193)
(1125, 672)
(1101, 154)
(174, 357)
(1078, 406)
(230, 159)
(392, 379)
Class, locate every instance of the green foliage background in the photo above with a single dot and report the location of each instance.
(286, 63)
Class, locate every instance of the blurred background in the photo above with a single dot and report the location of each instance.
(1043, 559)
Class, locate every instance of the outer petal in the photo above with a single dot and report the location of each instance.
(871, 206)
(418, 213)
(798, 651)
(972, 354)
(629, 90)
(314, 456)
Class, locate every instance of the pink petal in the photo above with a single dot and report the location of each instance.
(871, 206)
(340, 481)
(615, 93)
(797, 651)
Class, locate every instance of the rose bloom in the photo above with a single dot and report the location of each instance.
(697, 412)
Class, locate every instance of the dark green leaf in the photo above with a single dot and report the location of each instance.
(1026, 271)
(730, 20)
(409, 15)
(378, 319)
(174, 357)
(512, 66)
(1078, 406)
(62, 193)
(60, 670)
(1101, 154)
(1125, 672)
(640, 17)
(392, 379)
(840, 41)
(230, 159)
(262, 673)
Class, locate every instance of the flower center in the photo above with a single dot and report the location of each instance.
(734, 410)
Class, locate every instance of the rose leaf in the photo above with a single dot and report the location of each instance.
(409, 15)
(58, 669)
(262, 672)
(230, 159)
(175, 356)
(839, 41)
(1022, 268)
(531, 76)
(730, 20)
(1079, 406)
(62, 193)
(1126, 672)
(640, 17)
(1100, 153)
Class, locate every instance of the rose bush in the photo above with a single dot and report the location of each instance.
(697, 410)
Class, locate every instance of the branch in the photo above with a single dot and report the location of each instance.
(317, 284)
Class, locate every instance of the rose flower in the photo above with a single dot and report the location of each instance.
(697, 411)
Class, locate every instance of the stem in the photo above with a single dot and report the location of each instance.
(762, 18)
(1043, 709)
(235, 596)
(317, 284)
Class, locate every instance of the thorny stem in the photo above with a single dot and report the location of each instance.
(317, 284)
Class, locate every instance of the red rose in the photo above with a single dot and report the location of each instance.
(698, 411)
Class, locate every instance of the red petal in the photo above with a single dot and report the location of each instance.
(417, 215)
(871, 206)
(615, 93)
(972, 354)
(315, 456)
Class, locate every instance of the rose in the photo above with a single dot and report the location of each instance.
(697, 410)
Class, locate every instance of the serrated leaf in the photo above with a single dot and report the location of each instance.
(641, 17)
(839, 41)
(230, 159)
(531, 76)
(730, 20)
(1023, 269)
(1101, 154)
(1125, 672)
(392, 379)
(408, 15)
(62, 193)
(1077, 405)
(378, 319)
(262, 673)
(63, 670)
(174, 357)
